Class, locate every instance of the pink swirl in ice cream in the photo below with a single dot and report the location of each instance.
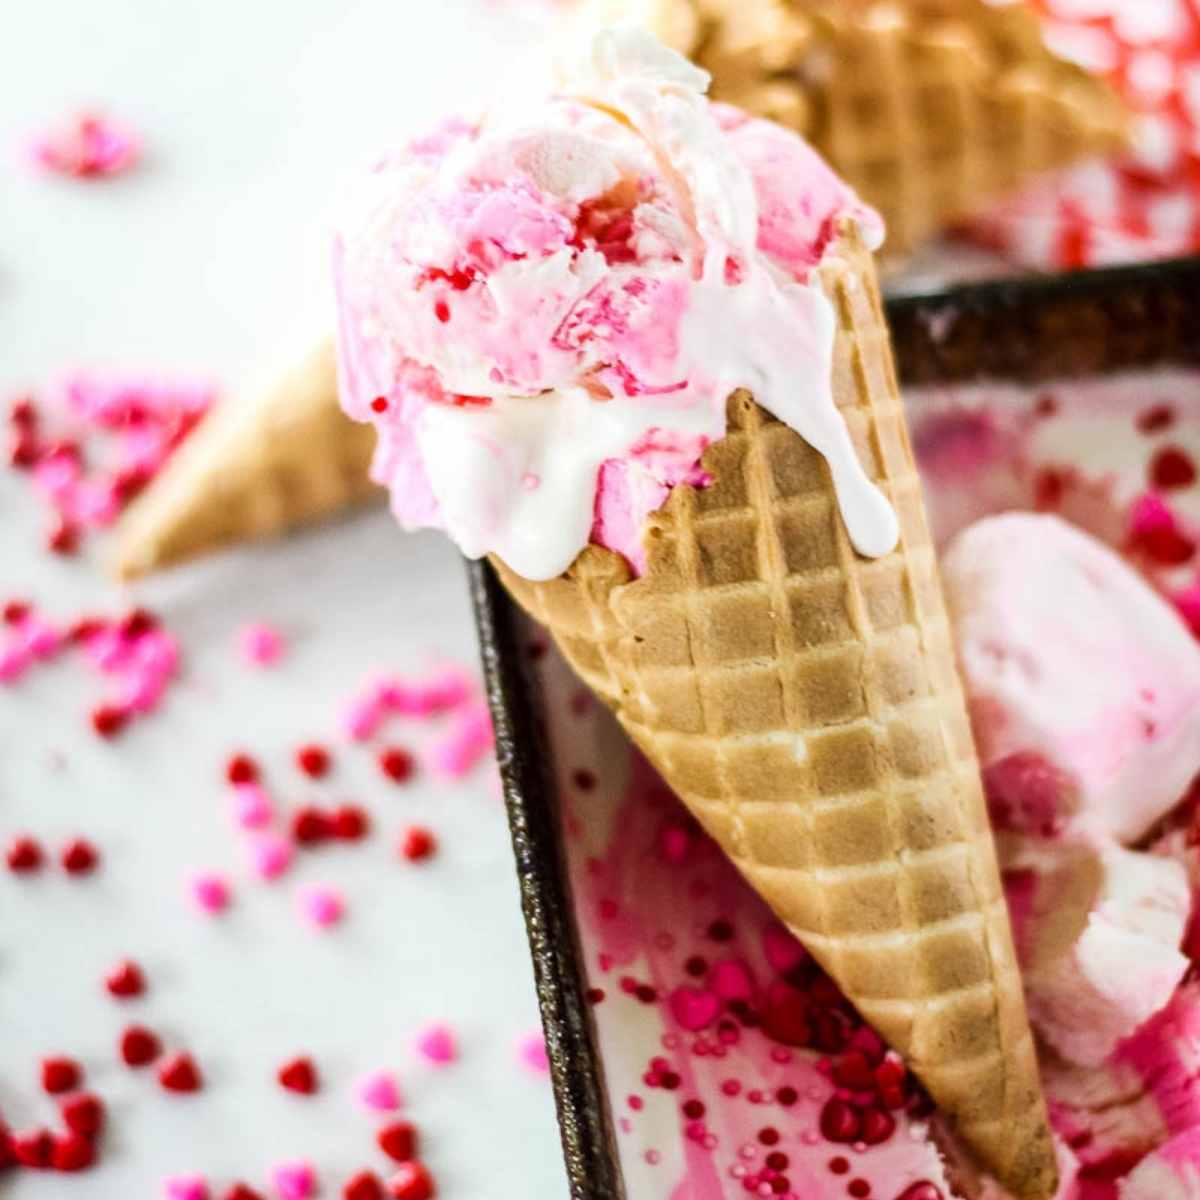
(544, 313)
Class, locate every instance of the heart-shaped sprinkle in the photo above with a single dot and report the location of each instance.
(411, 1181)
(398, 1141)
(241, 1191)
(186, 1187)
(79, 857)
(314, 761)
(60, 1075)
(299, 1076)
(694, 1008)
(23, 855)
(364, 1186)
(179, 1073)
(294, 1180)
(396, 764)
(311, 826)
(72, 1152)
(83, 1114)
(418, 844)
(437, 1043)
(125, 980)
(380, 1091)
(350, 823)
(241, 768)
(139, 1046)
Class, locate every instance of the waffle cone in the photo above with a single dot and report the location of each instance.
(804, 704)
(255, 467)
(928, 108)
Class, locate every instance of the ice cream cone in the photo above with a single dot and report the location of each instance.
(257, 466)
(928, 108)
(804, 703)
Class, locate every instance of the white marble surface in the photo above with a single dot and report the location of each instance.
(211, 259)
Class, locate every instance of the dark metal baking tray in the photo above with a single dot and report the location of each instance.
(1089, 323)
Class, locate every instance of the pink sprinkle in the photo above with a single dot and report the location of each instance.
(361, 719)
(252, 808)
(294, 1180)
(87, 146)
(532, 1052)
(185, 1187)
(468, 741)
(675, 844)
(437, 1043)
(260, 645)
(211, 892)
(270, 855)
(380, 1091)
(438, 694)
(322, 906)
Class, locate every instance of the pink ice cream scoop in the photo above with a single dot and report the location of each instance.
(543, 313)
(1083, 683)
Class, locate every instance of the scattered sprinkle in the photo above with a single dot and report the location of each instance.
(418, 844)
(294, 1180)
(139, 1046)
(398, 1140)
(396, 764)
(72, 1152)
(211, 892)
(185, 1187)
(311, 826)
(363, 1186)
(322, 906)
(34, 1148)
(260, 645)
(411, 1181)
(60, 1075)
(299, 1075)
(252, 807)
(179, 1073)
(24, 855)
(87, 146)
(469, 739)
(350, 823)
(442, 692)
(241, 768)
(380, 1091)
(83, 1114)
(241, 1191)
(532, 1052)
(270, 855)
(79, 857)
(437, 1043)
(314, 761)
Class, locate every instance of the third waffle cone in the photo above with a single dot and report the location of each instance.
(256, 466)
(927, 108)
(804, 703)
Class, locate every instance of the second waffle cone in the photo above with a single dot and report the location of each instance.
(805, 705)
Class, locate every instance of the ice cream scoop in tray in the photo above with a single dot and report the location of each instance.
(696, 1052)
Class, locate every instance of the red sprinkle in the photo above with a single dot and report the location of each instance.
(179, 1073)
(860, 1189)
(139, 1046)
(379, 404)
(79, 857)
(63, 537)
(364, 1186)
(350, 823)
(23, 855)
(1171, 468)
(418, 844)
(108, 720)
(311, 827)
(60, 1075)
(241, 1191)
(313, 760)
(299, 1075)
(441, 310)
(877, 1126)
(411, 1182)
(398, 1141)
(34, 1149)
(125, 979)
(83, 1114)
(241, 768)
(72, 1152)
(924, 1190)
(840, 1121)
(15, 611)
(396, 764)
